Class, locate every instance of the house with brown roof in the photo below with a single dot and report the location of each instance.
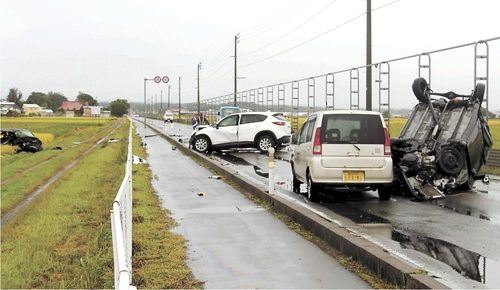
(70, 107)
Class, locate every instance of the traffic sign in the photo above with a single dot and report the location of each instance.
(157, 79)
(165, 79)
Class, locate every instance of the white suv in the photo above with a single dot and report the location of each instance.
(261, 130)
(344, 150)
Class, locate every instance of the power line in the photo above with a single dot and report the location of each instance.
(385, 5)
(316, 37)
(275, 25)
(265, 22)
(305, 42)
(293, 30)
(225, 50)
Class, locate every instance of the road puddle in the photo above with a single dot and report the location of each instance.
(467, 263)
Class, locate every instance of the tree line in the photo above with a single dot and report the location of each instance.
(54, 100)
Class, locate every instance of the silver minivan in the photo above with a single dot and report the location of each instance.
(343, 149)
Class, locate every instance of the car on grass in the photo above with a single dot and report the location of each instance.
(443, 144)
(261, 130)
(23, 138)
(342, 150)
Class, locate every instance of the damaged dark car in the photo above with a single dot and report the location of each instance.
(442, 145)
(23, 138)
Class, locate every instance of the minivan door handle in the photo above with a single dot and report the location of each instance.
(352, 154)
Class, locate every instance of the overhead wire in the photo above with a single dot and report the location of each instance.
(265, 22)
(277, 24)
(315, 37)
(291, 31)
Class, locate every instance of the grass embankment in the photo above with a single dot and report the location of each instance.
(23, 172)
(63, 239)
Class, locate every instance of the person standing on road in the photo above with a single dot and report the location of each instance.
(194, 122)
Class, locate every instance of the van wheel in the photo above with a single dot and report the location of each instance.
(295, 183)
(312, 189)
(201, 144)
(265, 142)
(384, 192)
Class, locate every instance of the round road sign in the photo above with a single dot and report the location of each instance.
(157, 79)
(165, 79)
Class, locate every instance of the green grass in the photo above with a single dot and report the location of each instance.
(63, 238)
(22, 173)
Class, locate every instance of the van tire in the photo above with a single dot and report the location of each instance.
(295, 183)
(312, 190)
(384, 192)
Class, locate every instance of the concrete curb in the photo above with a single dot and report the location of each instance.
(386, 266)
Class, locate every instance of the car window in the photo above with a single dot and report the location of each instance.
(351, 128)
(279, 116)
(229, 121)
(252, 118)
(310, 129)
(303, 133)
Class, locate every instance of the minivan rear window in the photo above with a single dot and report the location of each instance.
(352, 128)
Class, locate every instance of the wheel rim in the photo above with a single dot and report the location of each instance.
(265, 143)
(201, 144)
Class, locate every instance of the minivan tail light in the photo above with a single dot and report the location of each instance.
(279, 123)
(317, 142)
(387, 143)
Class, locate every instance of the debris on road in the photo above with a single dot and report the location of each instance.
(214, 177)
(201, 193)
(113, 140)
(138, 160)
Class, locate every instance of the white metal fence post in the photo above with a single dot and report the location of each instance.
(271, 170)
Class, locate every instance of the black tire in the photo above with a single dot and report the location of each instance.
(420, 87)
(384, 192)
(312, 190)
(264, 142)
(295, 183)
(478, 93)
(202, 144)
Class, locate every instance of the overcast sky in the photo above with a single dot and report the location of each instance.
(106, 48)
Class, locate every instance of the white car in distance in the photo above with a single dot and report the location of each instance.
(261, 130)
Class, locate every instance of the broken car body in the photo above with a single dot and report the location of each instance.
(443, 144)
(23, 138)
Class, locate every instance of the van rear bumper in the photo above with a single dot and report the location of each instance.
(334, 175)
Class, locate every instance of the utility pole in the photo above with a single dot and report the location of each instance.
(179, 98)
(161, 101)
(236, 39)
(168, 100)
(199, 67)
(156, 104)
(368, 55)
(145, 79)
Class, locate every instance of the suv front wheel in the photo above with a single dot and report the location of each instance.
(201, 144)
(264, 142)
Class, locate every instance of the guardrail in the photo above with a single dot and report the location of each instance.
(494, 158)
(121, 225)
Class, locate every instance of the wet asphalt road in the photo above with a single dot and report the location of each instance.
(232, 243)
(456, 238)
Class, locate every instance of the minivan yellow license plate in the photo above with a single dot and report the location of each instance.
(353, 176)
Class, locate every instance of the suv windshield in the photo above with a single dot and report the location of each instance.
(351, 128)
(24, 133)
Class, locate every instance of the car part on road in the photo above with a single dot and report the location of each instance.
(442, 145)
